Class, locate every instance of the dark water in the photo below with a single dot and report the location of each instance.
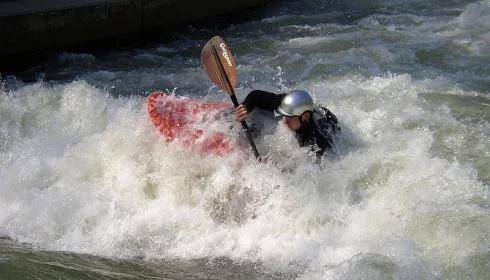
(24, 262)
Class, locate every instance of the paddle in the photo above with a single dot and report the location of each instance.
(219, 63)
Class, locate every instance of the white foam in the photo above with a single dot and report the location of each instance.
(82, 171)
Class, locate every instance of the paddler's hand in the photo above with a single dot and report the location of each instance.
(241, 113)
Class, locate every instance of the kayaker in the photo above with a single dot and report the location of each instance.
(313, 126)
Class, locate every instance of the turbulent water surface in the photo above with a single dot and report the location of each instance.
(89, 189)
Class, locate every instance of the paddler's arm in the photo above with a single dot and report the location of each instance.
(258, 99)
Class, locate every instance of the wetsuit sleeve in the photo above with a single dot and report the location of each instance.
(263, 100)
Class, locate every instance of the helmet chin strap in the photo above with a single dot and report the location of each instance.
(300, 132)
(303, 122)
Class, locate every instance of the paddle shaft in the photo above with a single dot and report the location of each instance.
(232, 95)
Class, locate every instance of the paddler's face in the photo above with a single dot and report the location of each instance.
(293, 123)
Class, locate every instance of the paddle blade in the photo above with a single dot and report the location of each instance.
(220, 65)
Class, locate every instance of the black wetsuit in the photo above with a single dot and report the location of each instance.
(318, 133)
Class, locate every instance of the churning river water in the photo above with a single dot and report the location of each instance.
(88, 189)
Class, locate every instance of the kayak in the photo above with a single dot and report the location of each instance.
(190, 122)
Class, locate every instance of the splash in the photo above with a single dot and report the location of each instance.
(83, 171)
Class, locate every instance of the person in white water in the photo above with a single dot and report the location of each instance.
(313, 126)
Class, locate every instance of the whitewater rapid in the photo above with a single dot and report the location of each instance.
(86, 172)
(83, 170)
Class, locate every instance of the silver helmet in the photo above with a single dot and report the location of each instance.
(295, 103)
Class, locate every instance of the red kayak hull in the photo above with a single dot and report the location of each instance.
(183, 119)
